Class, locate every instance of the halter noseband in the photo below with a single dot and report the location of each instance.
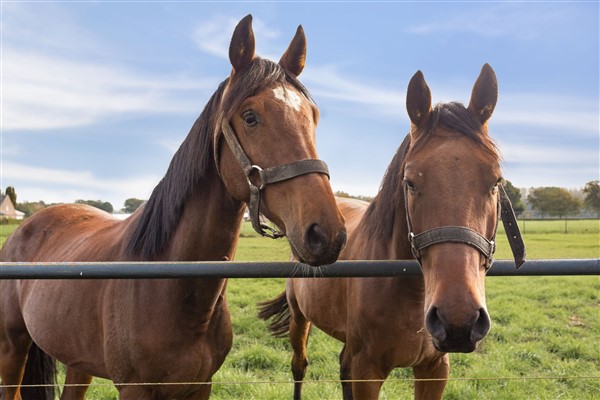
(464, 235)
(267, 176)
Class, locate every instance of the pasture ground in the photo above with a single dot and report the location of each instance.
(543, 344)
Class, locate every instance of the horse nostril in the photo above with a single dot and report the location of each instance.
(481, 326)
(315, 239)
(434, 324)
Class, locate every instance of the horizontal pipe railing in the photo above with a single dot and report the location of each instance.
(237, 269)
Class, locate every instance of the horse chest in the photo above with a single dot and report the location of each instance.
(177, 341)
(387, 322)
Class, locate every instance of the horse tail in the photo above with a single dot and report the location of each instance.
(277, 309)
(40, 369)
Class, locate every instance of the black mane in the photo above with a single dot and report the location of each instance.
(380, 216)
(190, 164)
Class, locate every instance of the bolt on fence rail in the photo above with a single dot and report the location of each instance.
(236, 269)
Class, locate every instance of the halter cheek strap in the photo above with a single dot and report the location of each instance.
(509, 220)
(266, 177)
(464, 235)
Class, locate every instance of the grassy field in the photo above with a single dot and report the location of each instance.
(543, 344)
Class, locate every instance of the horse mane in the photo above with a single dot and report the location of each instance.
(379, 218)
(194, 158)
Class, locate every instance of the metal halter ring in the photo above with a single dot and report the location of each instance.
(267, 176)
(258, 169)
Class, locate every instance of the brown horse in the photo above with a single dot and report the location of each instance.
(443, 182)
(176, 330)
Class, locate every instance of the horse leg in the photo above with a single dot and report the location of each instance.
(12, 367)
(439, 369)
(14, 347)
(135, 393)
(299, 330)
(372, 375)
(203, 393)
(80, 379)
(345, 363)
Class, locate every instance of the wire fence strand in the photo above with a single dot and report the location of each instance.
(318, 381)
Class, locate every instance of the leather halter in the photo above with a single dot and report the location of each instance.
(266, 177)
(464, 235)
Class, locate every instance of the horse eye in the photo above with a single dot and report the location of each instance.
(409, 185)
(495, 187)
(250, 118)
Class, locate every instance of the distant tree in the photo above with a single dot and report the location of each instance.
(553, 201)
(514, 195)
(30, 208)
(131, 205)
(10, 192)
(340, 193)
(106, 206)
(591, 201)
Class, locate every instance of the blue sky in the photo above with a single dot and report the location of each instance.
(96, 97)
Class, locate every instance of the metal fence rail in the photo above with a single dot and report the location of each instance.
(236, 269)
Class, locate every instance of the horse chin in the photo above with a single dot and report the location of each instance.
(304, 258)
(326, 255)
(298, 258)
(455, 347)
(297, 255)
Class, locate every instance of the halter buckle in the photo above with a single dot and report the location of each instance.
(413, 247)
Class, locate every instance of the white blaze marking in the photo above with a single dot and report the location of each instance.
(289, 97)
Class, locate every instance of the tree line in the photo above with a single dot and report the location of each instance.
(548, 201)
(31, 207)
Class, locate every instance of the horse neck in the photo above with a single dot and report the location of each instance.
(208, 231)
(209, 225)
(383, 229)
(392, 245)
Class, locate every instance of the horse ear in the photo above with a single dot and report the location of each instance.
(484, 94)
(241, 48)
(418, 99)
(294, 57)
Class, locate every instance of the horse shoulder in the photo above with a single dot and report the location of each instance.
(323, 302)
(353, 211)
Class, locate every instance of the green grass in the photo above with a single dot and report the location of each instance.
(560, 226)
(543, 240)
(542, 327)
(5, 231)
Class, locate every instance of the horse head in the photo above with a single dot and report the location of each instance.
(269, 158)
(451, 184)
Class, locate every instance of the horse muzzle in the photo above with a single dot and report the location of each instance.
(317, 246)
(457, 338)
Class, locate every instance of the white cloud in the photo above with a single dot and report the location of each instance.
(328, 82)
(10, 150)
(45, 92)
(171, 145)
(47, 26)
(523, 22)
(564, 114)
(213, 36)
(55, 74)
(541, 154)
(38, 183)
(577, 116)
